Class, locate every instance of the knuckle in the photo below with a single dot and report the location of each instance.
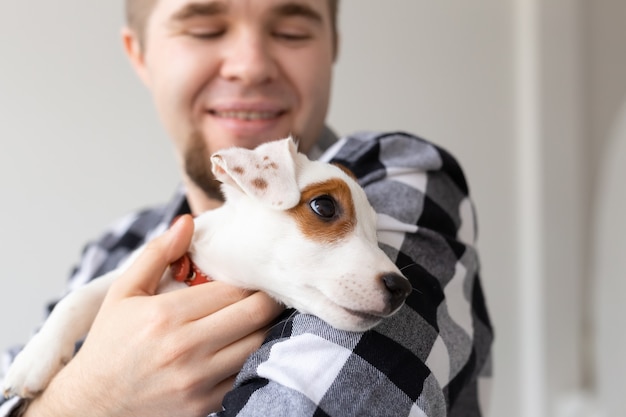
(153, 248)
(260, 309)
(157, 318)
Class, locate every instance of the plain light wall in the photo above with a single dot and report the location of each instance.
(608, 268)
(607, 151)
(81, 145)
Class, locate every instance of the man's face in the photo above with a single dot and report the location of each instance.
(237, 72)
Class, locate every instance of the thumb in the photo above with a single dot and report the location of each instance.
(145, 272)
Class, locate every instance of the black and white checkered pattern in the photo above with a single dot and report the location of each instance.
(433, 358)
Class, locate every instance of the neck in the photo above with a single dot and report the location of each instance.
(199, 201)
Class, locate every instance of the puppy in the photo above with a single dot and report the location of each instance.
(300, 230)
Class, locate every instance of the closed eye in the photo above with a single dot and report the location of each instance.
(288, 36)
(206, 34)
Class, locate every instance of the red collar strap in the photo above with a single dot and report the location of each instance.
(184, 270)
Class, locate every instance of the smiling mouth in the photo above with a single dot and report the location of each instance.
(246, 115)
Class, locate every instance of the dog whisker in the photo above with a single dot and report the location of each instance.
(404, 268)
(288, 319)
(408, 266)
(284, 323)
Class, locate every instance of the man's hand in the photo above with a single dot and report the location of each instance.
(160, 355)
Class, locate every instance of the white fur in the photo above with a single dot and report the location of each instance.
(253, 242)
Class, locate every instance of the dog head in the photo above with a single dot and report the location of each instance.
(304, 232)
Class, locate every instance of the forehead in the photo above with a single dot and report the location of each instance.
(257, 9)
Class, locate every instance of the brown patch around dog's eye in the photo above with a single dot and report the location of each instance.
(259, 183)
(239, 170)
(323, 229)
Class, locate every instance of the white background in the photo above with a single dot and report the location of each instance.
(526, 93)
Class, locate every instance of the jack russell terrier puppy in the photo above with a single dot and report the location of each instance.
(308, 235)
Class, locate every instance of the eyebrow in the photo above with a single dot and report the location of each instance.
(191, 10)
(294, 9)
(213, 8)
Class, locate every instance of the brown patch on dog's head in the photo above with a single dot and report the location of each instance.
(319, 228)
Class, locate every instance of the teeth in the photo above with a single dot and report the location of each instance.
(246, 115)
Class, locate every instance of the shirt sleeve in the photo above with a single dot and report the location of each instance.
(433, 357)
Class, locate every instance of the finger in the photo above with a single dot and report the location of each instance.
(198, 301)
(216, 395)
(236, 321)
(230, 359)
(145, 272)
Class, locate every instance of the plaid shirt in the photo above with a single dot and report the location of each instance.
(432, 358)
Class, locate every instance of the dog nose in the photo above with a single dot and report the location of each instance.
(398, 288)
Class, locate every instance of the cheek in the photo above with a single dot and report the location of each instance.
(179, 76)
(311, 77)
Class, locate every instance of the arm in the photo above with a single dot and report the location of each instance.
(431, 358)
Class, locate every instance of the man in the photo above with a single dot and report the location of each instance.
(240, 72)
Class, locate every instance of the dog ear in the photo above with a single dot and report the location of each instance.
(267, 172)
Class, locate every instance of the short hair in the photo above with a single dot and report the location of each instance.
(138, 12)
(137, 15)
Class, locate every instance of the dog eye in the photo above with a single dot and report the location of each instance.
(324, 207)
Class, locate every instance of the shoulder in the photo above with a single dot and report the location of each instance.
(372, 155)
(411, 182)
(306, 366)
(122, 237)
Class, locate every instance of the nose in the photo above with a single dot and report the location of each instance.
(398, 289)
(248, 59)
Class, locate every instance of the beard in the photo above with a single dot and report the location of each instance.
(198, 167)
